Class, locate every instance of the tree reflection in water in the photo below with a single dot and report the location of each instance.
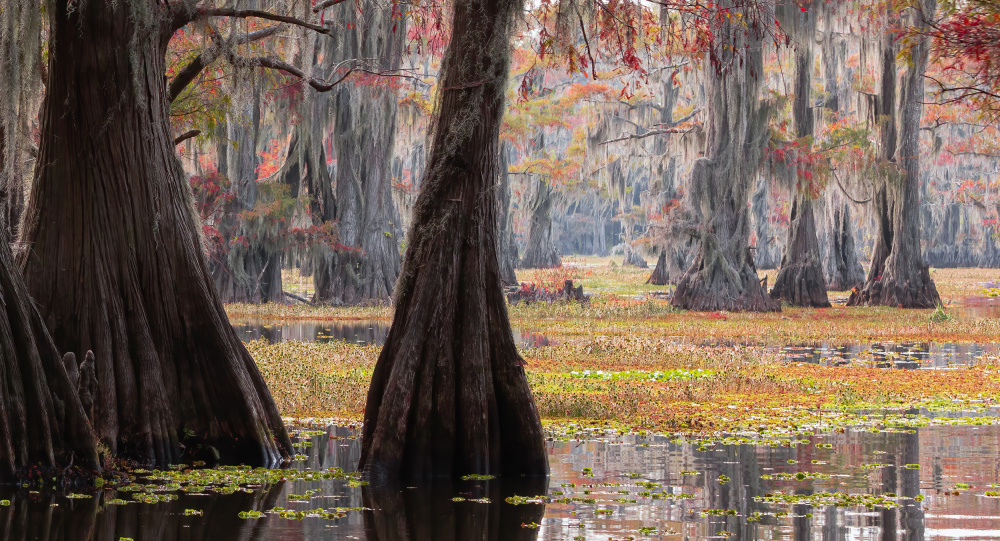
(410, 514)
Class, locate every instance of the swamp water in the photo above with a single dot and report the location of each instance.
(924, 483)
(937, 355)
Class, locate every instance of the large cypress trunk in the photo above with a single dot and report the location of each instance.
(117, 265)
(540, 252)
(800, 278)
(363, 139)
(898, 275)
(723, 276)
(449, 394)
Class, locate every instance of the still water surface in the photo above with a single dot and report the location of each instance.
(938, 355)
(615, 488)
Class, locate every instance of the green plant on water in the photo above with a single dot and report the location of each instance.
(940, 316)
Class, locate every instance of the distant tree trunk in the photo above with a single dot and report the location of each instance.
(841, 267)
(660, 276)
(363, 140)
(723, 276)
(842, 270)
(449, 394)
(767, 251)
(898, 275)
(117, 265)
(251, 270)
(800, 278)
(540, 252)
(600, 225)
(507, 246)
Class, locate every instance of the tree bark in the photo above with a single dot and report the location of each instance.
(842, 269)
(659, 276)
(723, 276)
(449, 394)
(43, 423)
(898, 275)
(540, 252)
(507, 247)
(251, 269)
(800, 278)
(117, 265)
(363, 140)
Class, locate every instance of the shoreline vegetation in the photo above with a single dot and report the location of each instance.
(627, 361)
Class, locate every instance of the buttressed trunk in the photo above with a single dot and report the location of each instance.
(723, 276)
(800, 279)
(116, 264)
(43, 422)
(449, 395)
(898, 275)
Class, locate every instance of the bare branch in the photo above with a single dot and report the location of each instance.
(185, 136)
(280, 65)
(325, 4)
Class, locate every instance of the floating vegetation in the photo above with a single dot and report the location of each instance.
(823, 499)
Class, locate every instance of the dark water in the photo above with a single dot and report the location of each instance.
(603, 488)
(365, 332)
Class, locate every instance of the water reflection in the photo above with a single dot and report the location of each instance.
(473, 510)
(365, 332)
(937, 355)
(601, 488)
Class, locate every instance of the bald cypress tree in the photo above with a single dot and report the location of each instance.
(449, 395)
(116, 263)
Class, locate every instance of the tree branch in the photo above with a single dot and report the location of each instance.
(325, 4)
(194, 68)
(258, 14)
(185, 136)
(280, 65)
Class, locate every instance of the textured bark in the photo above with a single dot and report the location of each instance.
(117, 265)
(898, 275)
(800, 278)
(633, 258)
(507, 246)
(800, 281)
(540, 252)
(660, 276)
(767, 251)
(842, 269)
(363, 139)
(723, 276)
(43, 422)
(251, 269)
(449, 395)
